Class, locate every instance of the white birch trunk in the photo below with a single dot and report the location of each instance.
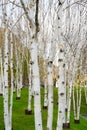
(21, 72)
(20, 77)
(32, 86)
(6, 111)
(14, 82)
(17, 76)
(29, 91)
(61, 90)
(79, 103)
(50, 94)
(36, 85)
(34, 59)
(45, 88)
(12, 85)
(18, 83)
(74, 104)
(1, 74)
(0, 85)
(85, 93)
(77, 96)
(80, 91)
(69, 102)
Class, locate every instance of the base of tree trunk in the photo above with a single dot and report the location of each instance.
(21, 88)
(76, 121)
(66, 125)
(45, 107)
(32, 96)
(28, 112)
(18, 98)
(1, 94)
(66, 110)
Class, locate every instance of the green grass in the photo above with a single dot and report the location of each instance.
(26, 122)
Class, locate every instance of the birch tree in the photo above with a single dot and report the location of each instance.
(5, 92)
(50, 92)
(61, 89)
(1, 73)
(29, 110)
(12, 81)
(33, 52)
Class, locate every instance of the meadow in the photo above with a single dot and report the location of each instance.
(26, 122)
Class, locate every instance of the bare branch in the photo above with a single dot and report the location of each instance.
(15, 4)
(36, 17)
(26, 13)
(74, 4)
(17, 21)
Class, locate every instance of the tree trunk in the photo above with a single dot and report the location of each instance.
(50, 94)
(30, 93)
(69, 103)
(17, 75)
(1, 74)
(45, 87)
(6, 111)
(79, 104)
(74, 103)
(12, 85)
(85, 92)
(36, 85)
(61, 89)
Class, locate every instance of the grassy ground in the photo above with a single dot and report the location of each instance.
(26, 122)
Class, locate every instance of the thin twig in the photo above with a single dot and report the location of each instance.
(26, 13)
(15, 4)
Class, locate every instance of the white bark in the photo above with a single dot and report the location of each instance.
(79, 102)
(21, 77)
(50, 94)
(0, 86)
(18, 74)
(1, 73)
(85, 93)
(69, 102)
(36, 85)
(17, 78)
(12, 85)
(21, 68)
(29, 91)
(74, 105)
(34, 59)
(61, 89)
(6, 111)
(45, 87)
